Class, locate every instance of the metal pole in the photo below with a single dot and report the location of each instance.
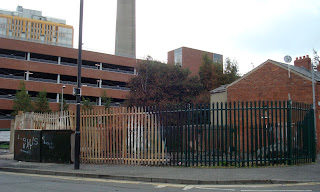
(77, 133)
(61, 99)
(314, 107)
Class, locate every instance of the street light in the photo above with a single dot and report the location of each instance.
(99, 82)
(78, 94)
(62, 98)
(313, 66)
(99, 66)
(27, 75)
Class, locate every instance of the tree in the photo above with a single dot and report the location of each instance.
(206, 72)
(41, 103)
(22, 101)
(161, 84)
(106, 101)
(86, 104)
(218, 75)
(65, 105)
(212, 74)
(231, 71)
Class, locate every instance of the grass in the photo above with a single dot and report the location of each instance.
(4, 146)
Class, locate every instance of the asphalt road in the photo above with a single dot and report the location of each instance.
(30, 182)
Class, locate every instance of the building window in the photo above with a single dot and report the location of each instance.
(178, 57)
(217, 58)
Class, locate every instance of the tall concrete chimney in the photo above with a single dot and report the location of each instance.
(126, 29)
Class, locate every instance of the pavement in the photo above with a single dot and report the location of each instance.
(178, 175)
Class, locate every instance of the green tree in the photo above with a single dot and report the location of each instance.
(206, 72)
(106, 101)
(161, 84)
(212, 74)
(231, 71)
(65, 105)
(86, 104)
(41, 103)
(22, 101)
(218, 75)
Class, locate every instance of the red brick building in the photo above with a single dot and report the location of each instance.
(275, 81)
(191, 58)
(49, 67)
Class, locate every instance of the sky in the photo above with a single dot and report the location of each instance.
(248, 31)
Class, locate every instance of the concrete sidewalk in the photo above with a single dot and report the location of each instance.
(179, 175)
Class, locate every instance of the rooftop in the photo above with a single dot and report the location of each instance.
(300, 70)
(303, 71)
(31, 14)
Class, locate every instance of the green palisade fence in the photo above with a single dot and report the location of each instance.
(238, 134)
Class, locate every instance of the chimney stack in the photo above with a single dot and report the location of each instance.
(303, 62)
(125, 44)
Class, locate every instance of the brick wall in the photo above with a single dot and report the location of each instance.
(191, 59)
(5, 124)
(171, 57)
(26, 46)
(304, 61)
(270, 82)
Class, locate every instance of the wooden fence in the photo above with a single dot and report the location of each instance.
(128, 136)
(44, 121)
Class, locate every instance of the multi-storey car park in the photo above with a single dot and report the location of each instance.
(38, 49)
(49, 67)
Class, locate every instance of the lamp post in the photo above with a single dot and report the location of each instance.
(78, 94)
(313, 66)
(62, 98)
(27, 75)
(98, 65)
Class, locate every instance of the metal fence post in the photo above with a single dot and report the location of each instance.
(289, 119)
(313, 140)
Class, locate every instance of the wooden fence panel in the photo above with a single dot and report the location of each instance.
(44, 121)
(129, 136)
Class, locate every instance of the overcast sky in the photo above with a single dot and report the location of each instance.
(249, 31)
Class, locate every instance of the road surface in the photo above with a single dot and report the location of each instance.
(32, 182)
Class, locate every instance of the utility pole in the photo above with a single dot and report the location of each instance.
(313, 65)
(313, 95)
(78, 94)
(61, 108)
